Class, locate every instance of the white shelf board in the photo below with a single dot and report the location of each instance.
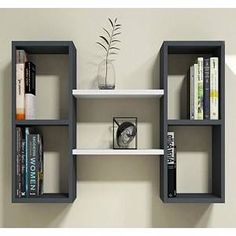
(96, 93)
(104, 152)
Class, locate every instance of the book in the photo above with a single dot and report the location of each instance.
(23, 192)
(30, 90)
(214, 90)
(195, 71)
(200, 88)
(191, 92)
(171, 163)
(27, 150)
(21, 58)
(33, 165)
(206, 88)
(18, 161)
(40, 165)
(20, 91)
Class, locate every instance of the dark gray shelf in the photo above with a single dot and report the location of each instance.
(46, 198)
(194, 122)
(48, 47)
(195, 198)
(42, 122)
(203, 48)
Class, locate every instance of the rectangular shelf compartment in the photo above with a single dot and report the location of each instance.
(56, 163)
(55, 111)
(175, 59)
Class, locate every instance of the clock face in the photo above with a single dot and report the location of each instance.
(125, 134)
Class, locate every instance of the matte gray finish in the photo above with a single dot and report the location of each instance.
(194, 122)
(48, 47)
(209, 48)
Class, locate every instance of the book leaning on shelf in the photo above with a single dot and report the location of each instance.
(204, 95)
(171, 163)
(21, 58)
(29, 163)
(25, 87)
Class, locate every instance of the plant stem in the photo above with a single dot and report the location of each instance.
(108, 55)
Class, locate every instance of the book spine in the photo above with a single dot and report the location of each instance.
(214, 93)
(200, 88)
(206, 94)
(30, 90)
(23, 192)
(32, 165)
(195, 91)
(21, 56)
(41, 166)
(191, 93)
(20, 91)
(18, 161)
(171, 163)
(27, 147)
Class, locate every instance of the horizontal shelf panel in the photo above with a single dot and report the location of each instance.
(42, 122)
(195, 198)
(112, 152)
(80, 93)
(194, 122)
(45, 198)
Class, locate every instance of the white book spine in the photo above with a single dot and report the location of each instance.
(214, 93)
(20, 91)
(195, 91)
(191, 92)
(200, 88)
(30, 106)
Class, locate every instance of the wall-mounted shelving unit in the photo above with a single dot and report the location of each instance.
(214, 48)
(68, 125)
(203, 48)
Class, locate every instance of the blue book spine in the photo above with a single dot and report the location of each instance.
(206, 84)
(27, 132)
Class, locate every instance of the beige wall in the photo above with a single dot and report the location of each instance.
(121, 191)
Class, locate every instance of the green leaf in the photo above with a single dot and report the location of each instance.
(111, 22)
(114, 48)
(107, 32)
(104, 39)
(102, 46)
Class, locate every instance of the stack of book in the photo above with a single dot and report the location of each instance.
(204, 91)
(29, 163)
(171, 163)
(25, 87)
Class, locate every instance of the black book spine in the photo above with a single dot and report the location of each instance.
(30, 78)
(18, 160)
(206, 85)
(171, 154)
(32, 165)
(23, 190)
